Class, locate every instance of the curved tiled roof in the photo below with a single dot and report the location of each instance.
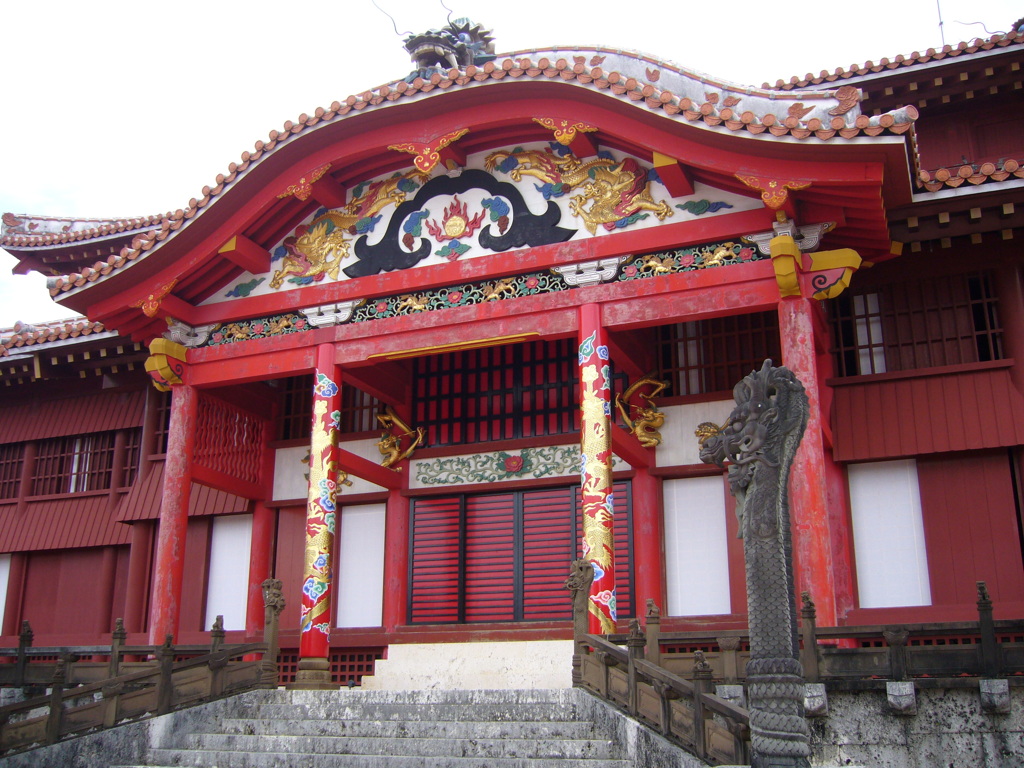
(646, 81)
(944, 178)
(24, 335)
(886, 64)
(15, 237)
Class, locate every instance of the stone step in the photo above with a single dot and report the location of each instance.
(266, 759)
(483, 729)
(428, 711)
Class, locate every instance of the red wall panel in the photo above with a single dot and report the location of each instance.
(61, 595)
(289, 562)
(889, 416)
(970, 527)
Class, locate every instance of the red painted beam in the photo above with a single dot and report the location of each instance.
(367, 470)
(250, 256)
(627, 447)
(673, 175)
(328, 192)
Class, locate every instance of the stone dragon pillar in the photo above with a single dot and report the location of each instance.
(759, 441)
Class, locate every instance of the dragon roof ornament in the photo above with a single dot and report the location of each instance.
(461, 43)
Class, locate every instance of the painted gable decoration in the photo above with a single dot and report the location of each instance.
(526, 196)
(393, 251)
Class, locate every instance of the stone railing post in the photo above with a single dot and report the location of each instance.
(701, 685)
(165, 684)
(809, 636)
(990, 661)
(730, 647)
(652, 626)
(117, 639)
(217, 634)
(273, 604)
(581, 576)
(635, 645)
(896, 639)
(24, 643)
(56, 714)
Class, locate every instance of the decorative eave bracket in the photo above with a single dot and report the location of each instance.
(787, 245)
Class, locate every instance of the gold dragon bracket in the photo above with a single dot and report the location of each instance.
(648, 420)
(390, 444)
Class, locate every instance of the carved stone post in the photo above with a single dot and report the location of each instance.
(24, 643)
(760, 440)
(808, 632)
(635, 644)
(273, 604)
(116, 643)
(581, 575)
(652, 627)
(990, 662)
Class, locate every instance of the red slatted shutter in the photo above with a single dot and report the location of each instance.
(490, 593)
(549, 545)
(435, 570)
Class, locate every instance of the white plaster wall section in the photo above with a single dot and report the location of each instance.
(291, 470)
(360, 575)
(679, 446)
(227, 588)
(888, 534)
(474, 666)
(366, 449)
(470, 205)
(696, 547)
(291, 473)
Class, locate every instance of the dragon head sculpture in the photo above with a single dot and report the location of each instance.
(458, 45)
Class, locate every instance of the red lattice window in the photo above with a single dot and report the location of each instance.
(74, 464)
(347, 666)
(132, 456)
(949, 320)
(497, 393)
(704, 356)
(505, 556)
(162, 421)
(228, 439)
(12, 456)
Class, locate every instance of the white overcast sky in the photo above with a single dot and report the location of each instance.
(120, 109)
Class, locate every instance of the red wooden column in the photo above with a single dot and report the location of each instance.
(396, 560)
(261, 551)
(140, 560)
(321, 521)
(647, 540)
(170, 545)
(596, 470)
(816, 496)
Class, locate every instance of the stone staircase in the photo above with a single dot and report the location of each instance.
(562, 728)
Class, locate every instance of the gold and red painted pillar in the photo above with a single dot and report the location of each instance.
(321, 524)
(596, 468)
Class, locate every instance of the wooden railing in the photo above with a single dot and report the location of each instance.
(953, 654)
(84, 694)
(685, 711)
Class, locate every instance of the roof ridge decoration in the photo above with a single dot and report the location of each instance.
(679, 93)
(870, 67)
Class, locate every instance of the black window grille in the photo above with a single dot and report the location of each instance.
(703, 356)
(497, 393)
(358, 409)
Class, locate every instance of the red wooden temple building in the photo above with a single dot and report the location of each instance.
(420, 349)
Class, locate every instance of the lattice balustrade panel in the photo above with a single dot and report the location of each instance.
(11, 459)
(228, 439)
(349, 665)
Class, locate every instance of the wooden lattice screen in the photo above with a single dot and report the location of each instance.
(703, 356)
(950, 320)
(229, 439)
(11, 459)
